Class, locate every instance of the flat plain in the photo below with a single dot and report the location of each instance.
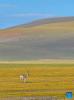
(43, 79)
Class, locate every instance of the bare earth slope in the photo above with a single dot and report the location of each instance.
(51, 38)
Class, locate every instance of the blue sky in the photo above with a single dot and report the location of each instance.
(15, 12)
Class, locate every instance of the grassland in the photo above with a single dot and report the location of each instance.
(43, 80)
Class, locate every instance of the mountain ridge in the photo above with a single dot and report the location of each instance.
(44, 21)
(54, 40)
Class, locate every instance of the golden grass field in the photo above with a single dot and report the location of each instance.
(43, 80)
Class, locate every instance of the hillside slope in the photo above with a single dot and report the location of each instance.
(51, 38)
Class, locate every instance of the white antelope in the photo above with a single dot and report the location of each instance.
(24, 77)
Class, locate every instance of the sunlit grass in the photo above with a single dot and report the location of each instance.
(44, 79)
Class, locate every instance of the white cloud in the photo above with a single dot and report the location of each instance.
(31, 14)
(2, 20)
(7, 5)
